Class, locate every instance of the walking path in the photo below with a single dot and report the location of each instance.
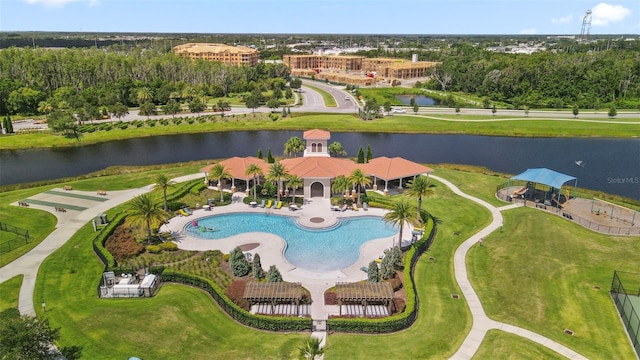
(481, 322)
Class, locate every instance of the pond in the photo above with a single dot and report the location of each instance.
(609, 165)
(421, 100)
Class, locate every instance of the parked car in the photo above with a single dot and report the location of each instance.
(399, 111)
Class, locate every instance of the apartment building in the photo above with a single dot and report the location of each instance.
(236, 55)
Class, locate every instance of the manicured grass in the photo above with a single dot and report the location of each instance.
(440, 124)
(9, 291)
(180, 322)
(540, 273)
(443, 322)
(329, 100)
(476, 184)
(500, 345)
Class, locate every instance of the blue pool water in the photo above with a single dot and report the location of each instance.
(317, 250)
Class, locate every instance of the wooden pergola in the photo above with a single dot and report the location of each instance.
(365, 293)
(274, 293)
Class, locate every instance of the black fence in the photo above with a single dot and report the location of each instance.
(14, 242)
(628, 304)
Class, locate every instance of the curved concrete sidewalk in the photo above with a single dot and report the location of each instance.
(481, 322)
(29, 263)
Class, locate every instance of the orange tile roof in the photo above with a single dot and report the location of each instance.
(316, 134)
(394, 168)
(236, 166)
(319, 167)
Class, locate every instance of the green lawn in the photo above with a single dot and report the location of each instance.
(500, 345)
(437, 124)
(443, 322)
(540, 274)
(9, 291)
(474, 183)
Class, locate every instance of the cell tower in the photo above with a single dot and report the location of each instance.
(586, 26)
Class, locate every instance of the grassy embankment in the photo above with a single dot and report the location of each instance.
(9, 291)
(415, 124)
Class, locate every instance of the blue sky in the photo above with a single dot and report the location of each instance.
(322, 16)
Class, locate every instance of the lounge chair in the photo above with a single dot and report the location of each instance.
(365, 269)
(279, 204)
(344, 207)
(293, 207)
(183, 213)
(365, 206)
(269, 204)
(262, 203)
(187, 211)
(354, 207)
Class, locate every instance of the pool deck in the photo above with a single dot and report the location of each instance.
(315, 213)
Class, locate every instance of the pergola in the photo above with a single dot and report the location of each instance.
(364, 293)
(237, 167)
(274, 293)
(544, 176)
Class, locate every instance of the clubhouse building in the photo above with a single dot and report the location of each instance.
(318, 169)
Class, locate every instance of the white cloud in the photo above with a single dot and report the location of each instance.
(603, 14)
(529, 31)
(562, 20)
(60, 3)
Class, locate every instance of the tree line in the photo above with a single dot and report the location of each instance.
(103, 78)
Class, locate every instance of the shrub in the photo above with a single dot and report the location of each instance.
(154, 249)
(273, 275)
(258, 272)
(190, 121)
(175, 205)
(373, 274)
(122, 244)
(238, 263)
(169, 246)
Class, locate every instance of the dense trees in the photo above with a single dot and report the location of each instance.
(68, 78)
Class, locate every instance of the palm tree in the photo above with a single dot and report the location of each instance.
(218, 173)
(340, 184)
(293, 146)
(45, 107)
(163, 182)
(255, 171)
(144, 211)
(294, 182)
(402, 211)
(359, 179)
(419, 188)
(144, 95)
(276, 173)
(310, 349)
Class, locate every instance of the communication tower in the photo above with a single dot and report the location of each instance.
(586, 26)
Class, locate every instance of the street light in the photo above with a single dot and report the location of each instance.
(44, 306)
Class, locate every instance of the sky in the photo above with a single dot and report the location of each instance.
(480, 17)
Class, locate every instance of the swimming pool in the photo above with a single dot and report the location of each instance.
(315, 250)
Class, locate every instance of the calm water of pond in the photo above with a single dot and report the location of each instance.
(610, 165)
(421, 100)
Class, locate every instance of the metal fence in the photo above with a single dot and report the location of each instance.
(604, 229)
(629, 312)
(14, 242)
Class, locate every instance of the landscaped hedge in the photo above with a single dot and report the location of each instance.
(256, 321)
(405, 319)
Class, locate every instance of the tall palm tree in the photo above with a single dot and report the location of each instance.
(145, 212)
(419, 188)
(293, 146)
(359, 179)
(402, 211)
(144, 95)
(164, 183)
(310, 349)
(276, 173)
(45, 107)
(255, 171)
(340, 184)
(294, 182)
(218, 173)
